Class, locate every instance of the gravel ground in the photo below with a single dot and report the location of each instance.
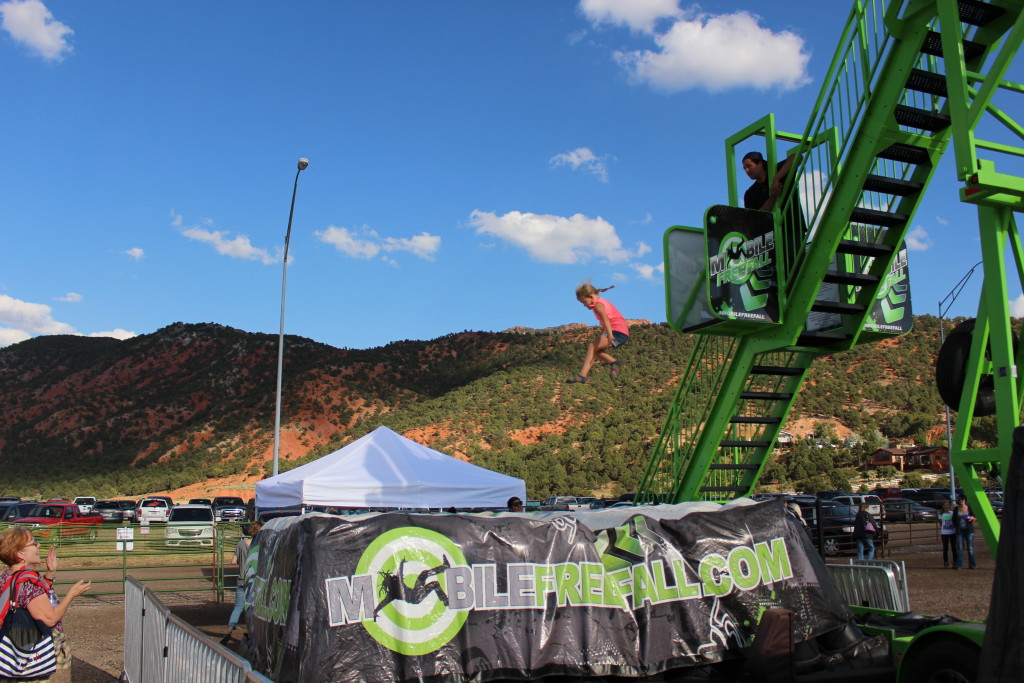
(96, 625)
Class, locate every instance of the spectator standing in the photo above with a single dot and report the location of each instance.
(20, 552)
(515, 504)
(864, 529)
(947, 519)
(241, 556)
(964, 523)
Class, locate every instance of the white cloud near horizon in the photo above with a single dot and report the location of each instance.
(116, 333)
(1017, 307)
(70, 297)
(135, 252)
(702, 50)
(918, 240)
(30, 23)
(582, 158)
(9, 336)
(556, 239)
(368, 243)
(26, 318)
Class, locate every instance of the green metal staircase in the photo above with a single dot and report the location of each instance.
(909, 76)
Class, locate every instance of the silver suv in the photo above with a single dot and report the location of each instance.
(854, 500)
(228, 509)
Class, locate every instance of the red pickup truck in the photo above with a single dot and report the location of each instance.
(64, 518)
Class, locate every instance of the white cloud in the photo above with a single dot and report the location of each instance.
(31, 23)
(9, 336)
(116, 333)
(368, 243)
(135, 252)
(176, 219)
(650, 272)
(918, 240)
(238, 247)
(641, 249)
(719, 52)
(555, 239)
(583, 158)
(30, 318)
(639, 15)
(1016, 308)
(941, 221)
(70, 297)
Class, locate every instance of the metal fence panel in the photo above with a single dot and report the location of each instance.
(194, 657)
(133, 592)
(874, 585)
(154, 637)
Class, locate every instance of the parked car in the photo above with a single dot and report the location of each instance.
(854, 500)
(110, 510)
(932, 498)
(61, 519)
(153, 510)
(10, 510)
(228, 509)
(200, 501)
(531, 506)
(128, 507)
(85, 503)
(190, 525)
(906, 510)
(9, 499)
(892, 492)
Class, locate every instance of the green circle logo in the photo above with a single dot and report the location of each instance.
(411, 616)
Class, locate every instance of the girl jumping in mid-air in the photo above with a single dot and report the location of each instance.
(614, 331)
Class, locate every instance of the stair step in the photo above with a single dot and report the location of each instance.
(743, 420)
(933, 46)
(743, 443)
(837, 307)
(724, 489)
(776, 370)
(978, 13)
(861, 248)
(889, 219)
(822, 338)
(735, 467)
(896, 186)
(908, 154)
(856, 279)
(914, 117)
(927, 82)
(766, 395)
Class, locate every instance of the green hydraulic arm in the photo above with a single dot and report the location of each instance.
(909, 79)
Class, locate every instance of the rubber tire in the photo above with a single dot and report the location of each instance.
(951, 369)
(832, 546)
(945, 661)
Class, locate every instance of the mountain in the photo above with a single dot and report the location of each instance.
(190, 408)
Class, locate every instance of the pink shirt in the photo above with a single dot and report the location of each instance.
(614, 317)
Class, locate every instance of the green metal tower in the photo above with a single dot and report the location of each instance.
(766, 293)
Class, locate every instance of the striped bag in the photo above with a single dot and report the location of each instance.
(26, 645)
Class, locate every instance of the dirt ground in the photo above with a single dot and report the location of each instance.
(96, 625)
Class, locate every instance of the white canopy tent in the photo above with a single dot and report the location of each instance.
(385, 469)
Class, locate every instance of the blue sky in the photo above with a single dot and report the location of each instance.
(470, 162)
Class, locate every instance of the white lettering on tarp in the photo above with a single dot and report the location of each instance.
(536, 586)
(349, 599)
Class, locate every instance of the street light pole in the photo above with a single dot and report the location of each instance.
(951, 297)
(303, 163)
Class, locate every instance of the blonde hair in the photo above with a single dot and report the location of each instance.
(587, 289)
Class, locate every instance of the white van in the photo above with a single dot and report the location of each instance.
(874, 503)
